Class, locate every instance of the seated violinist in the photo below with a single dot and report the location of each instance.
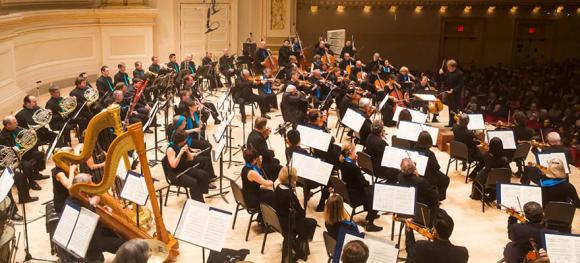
(425, 192)
(293, 105)
(366, 109)
(534, 174)
(556, 186)
(375, 147)
(494, 158)
(266, 90)
(257, 141)
(463, 135)
(433, 172)
(521, 233)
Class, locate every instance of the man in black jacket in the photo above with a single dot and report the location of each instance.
(122, 75)
(243, 94)
(257, 141)
(105, 83)
(25, 120)
(188, 64)
(154, 67)
(453, 84)
(226, 66)
(440, 250)
(521, 233)
(57, 122)
(375, 148)
(85, 114)
(293, 105)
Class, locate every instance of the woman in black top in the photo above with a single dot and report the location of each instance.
(180, 158)
(494, 158)
(302, 227)
(521, 134)
(255, 187)
(375, 147)
(336, 217)
(359, 189)
(433, 174)
(195, 128)
(556, 187)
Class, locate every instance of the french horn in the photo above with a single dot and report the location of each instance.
(68, 105)
(26, 139)
(42, 117)
(91, 95)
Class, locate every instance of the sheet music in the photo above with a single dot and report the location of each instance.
(396, 199)
(410, 131)
(543, 159)
(311, 168)
(392, 158)
(562, 248)
(416, 115)
(83, 232)
(66, 225)
(6, 182)
(202, 225)
(511, 193)
(380, 251)
(135, 189)
(506, 137)
(353, 120)
(426, 97)
(383, 102)
(475, 122)
(314, 138)
(151, 115)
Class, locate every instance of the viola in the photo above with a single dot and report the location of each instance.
(513, 212)
(419, 229)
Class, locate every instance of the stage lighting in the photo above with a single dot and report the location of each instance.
(514, 9)
(467, 9)
(536, 9)
(393, 9)
(443, 9)
(419, 9)
(314, 8)
(559, 9)
(340, 9)
(491, 9)
(367, 8)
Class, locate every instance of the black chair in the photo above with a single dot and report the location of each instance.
(271, 222)
(366, 164)
(400, 143)
(458, 152)
(559, 216)
(167, 171)
(330, 245)
(340, 188)
(241, 205)
(495, 176)
(340, 125)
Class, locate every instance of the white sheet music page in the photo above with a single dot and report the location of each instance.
(408, 130)
(135, 189)
(83, 232)
(392, 158)
(506, 137)
(314, 138)
(379, 251)
(396, 199)
(383, 102)
(353, 120)
(66, 225)
(511, 193)
(6, 182)
(216, 230)
(545, 157)
(311, 168)
(475, 122)
(433, 131)
(416, 115)
(562, 248)
(191, 225)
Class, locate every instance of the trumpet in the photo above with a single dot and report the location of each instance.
(91, 95)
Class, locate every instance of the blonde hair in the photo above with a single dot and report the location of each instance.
(283, 175)
(334, 210)
(345, 150)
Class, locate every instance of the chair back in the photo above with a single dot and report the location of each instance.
(498, 176)
(422, 215)
(271, 217)
(521, 151)
(166, 169)
(339, 188)
(560, 212)
(329, 243)
(238, 195)
(365, 163)
(458, 150)
(400, 143)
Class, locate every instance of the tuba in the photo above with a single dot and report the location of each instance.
(91, 95)
(67, 105)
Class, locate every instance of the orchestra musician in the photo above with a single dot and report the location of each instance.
(266, 90)
(188, 64)
(85, 114)
(322, 49)
(316, 62)
(440, 250)
(521, 134)
(303, 227)
(293, 146)
(196, 95)
(262, 53)
(293, 105)
(433, 173)
(134, 116)
(179, 162)
(426, 193)
(520, 233)
(173, 63)
(139, 72)
(463, 135)
(347, 63)
(387, 69)
(359, 189)
(122, 75)
(256, 186)
(406, 79)
(257, 140)
(154, 67)
(336, 217)
(366, 109)
(375, 148)
(226, 66)
(58, 121)
(105, 84)
(348, 49)
(376, 62)
(195, 128)
(534, 174)
(242, 94)
(284, 53)
(24, 117)
(494, 158)
(453, 85)
(357, 73)
(556, 186)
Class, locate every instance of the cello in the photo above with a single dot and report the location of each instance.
(271, 63)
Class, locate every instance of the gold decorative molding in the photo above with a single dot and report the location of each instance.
(278, 15)
(387, 3)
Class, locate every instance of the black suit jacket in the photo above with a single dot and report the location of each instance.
(375, 147)
(461, 134)
(57, 121)
(354, 179)
(425, 192)
(242, 89)
(121, 77)
(438, 251)
(257, 142)
(104, 85)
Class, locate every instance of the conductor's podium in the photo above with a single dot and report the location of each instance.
(443, 139)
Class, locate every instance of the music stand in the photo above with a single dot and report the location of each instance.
(218, 155)
(249, 48)
(229, 138)
(153, 120)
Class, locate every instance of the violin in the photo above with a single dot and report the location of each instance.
(534, 253)
(417, 228)
(540, 167)
(513, 212)
(539, 145)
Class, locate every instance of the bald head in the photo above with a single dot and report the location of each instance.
(10, 123)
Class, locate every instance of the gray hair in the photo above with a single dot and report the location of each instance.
(364, 102)
(8, 119)
(290, 88)
(553, 138)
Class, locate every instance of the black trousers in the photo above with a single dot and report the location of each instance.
(212, 111)
(253, 98)
(202, 145)
(196, 180)
(22, 186)
(441, 181)
(270, 100)
(32, 163)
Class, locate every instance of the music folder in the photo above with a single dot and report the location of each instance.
(6, 182)
(314, 138)
(75, 229)
(561, 248)
(393, 198)
(543, 158)
(311, 168)
(506, 137)
(381, 250)
(410, 131)
(202, 225)
(476, 122)
(393, 156)
(416, 116)
(353, 120)
(135, 188)
(516, 195)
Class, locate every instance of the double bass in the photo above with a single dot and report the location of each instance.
(271, 63)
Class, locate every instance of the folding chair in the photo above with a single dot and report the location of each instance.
(366, 164)
(520, 154)
(400, 143)
(271, 221)
(458, 152)
(167, 171)
(559, 216)
(241, 205)
(340, 188)
(330, 245)
(495, 176)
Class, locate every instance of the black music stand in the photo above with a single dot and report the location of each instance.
(153, 120)
(217, 155)
(228, 139)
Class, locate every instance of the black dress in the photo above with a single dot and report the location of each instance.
(359, 189)
(433, 173)
(196, 179)
(304, 227)
(253, 194)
